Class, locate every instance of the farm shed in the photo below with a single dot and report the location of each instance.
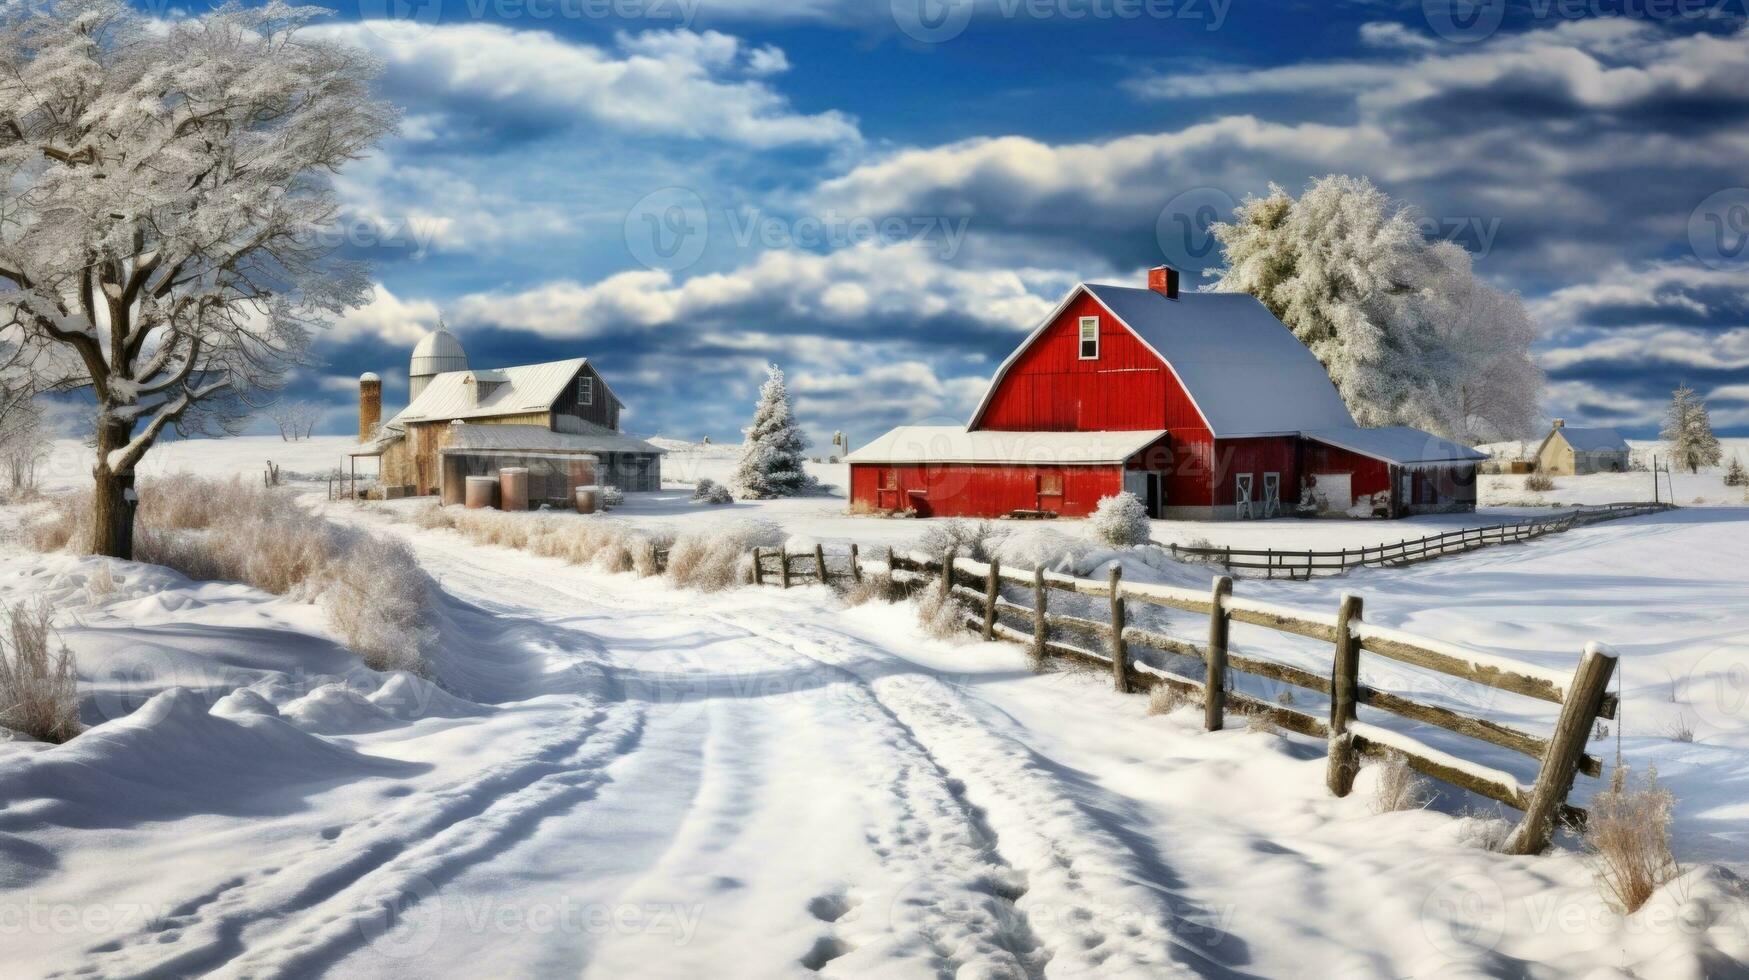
(559, 419)
(1576, 451)
(1215, 388)
(947, 471)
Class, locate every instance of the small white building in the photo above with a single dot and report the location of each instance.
(1569, 451)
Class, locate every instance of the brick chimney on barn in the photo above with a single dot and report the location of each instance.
(1163, 279)
(370, 405)
(1560, 423)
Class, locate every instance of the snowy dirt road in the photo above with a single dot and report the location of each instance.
(629, 780)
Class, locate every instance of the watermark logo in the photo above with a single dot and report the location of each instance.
(1464, 21)
(932, 21)
(668, 229)
(1718, 687)
(1718, 230)
(1464, 914)
(402, 920)
(1185, 227)
(400, 20)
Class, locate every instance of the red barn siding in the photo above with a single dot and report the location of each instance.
(985, 490)
(1049, 388)
(1267, 454)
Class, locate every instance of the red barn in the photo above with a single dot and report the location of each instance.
(1201, 404)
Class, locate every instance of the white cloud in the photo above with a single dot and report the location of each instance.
(388, 318)
(847, 285)
(682, 83)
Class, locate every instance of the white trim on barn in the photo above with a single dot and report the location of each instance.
(952, 444)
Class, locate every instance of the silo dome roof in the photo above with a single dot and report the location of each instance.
(437, 353)
(439, 343)
(369, 376)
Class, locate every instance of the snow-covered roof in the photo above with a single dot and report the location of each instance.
(1593, 440)
(375, 447)
(528, 388)
(540, 439)
(436, 352)
(1395, 444)
(952, 444)
(1246, 372)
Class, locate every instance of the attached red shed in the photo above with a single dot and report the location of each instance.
(1203, 404)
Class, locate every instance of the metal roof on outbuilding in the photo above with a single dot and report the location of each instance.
(527, 388)
(465, 438)
(1598, 440)
(952, 444)
(1396, 444)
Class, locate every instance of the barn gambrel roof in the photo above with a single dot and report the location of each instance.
(1245, 372)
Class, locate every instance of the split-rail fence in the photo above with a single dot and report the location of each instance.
(1582, 695)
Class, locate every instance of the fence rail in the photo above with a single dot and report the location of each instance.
(1274, 562)
(977, 587)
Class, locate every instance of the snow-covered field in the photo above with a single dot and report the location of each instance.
(618, 779)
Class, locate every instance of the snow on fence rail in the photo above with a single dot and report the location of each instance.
(1582, 695)
(1304, 564)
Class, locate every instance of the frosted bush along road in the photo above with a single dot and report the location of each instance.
(623, 779)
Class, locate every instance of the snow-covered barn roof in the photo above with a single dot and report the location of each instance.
(952, 444)
(527, 388)
(1593, 440)
(540, 439)
(1246, 372)
(1395, 444)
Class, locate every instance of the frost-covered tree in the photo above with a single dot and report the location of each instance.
(167, 183)
(1735, 476)
(1407, 331)
(1688, 431)
(772, 455)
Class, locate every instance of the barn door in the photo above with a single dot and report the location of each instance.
(1242, 496)
(1272, 495)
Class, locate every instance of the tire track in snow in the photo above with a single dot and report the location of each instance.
(320, 904)
(1092, 900)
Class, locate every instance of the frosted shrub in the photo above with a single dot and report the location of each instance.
(64, 526)
(977, 540)
(1539, 483)
(711, 561)
(1121, 521)
(377, 599)
(612, 497)
(1628, 835)
(873, 587)
(433, 517)
(1399, 787)
(709, 491)
(39, 685)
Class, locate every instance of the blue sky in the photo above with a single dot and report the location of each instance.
(883, 196)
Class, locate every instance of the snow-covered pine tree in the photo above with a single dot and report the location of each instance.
(1407, 331)
(1734, 474)
(1688, 431)
(772, 455)
(167, 184)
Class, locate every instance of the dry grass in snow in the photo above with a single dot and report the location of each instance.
(1628, 835)
(39, 687)
(372, 590)
(1399, 787)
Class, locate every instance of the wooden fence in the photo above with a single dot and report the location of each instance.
(1277, 563)
(1583, 696)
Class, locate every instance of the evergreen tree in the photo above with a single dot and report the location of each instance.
(1688, 430)
(772, 455)
(1734, 475)
(1409, 334)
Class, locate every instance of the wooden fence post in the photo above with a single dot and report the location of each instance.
(947, 576)
(758, 567)
(1344, 693)
(782, 566)
(820, 562)
(1561, 759)
(855, 565)
(991, 584)
(1039, 628)
(1214, 695)
(1120, 654)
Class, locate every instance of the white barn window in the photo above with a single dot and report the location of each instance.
(1089, 338)
(586, 390)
